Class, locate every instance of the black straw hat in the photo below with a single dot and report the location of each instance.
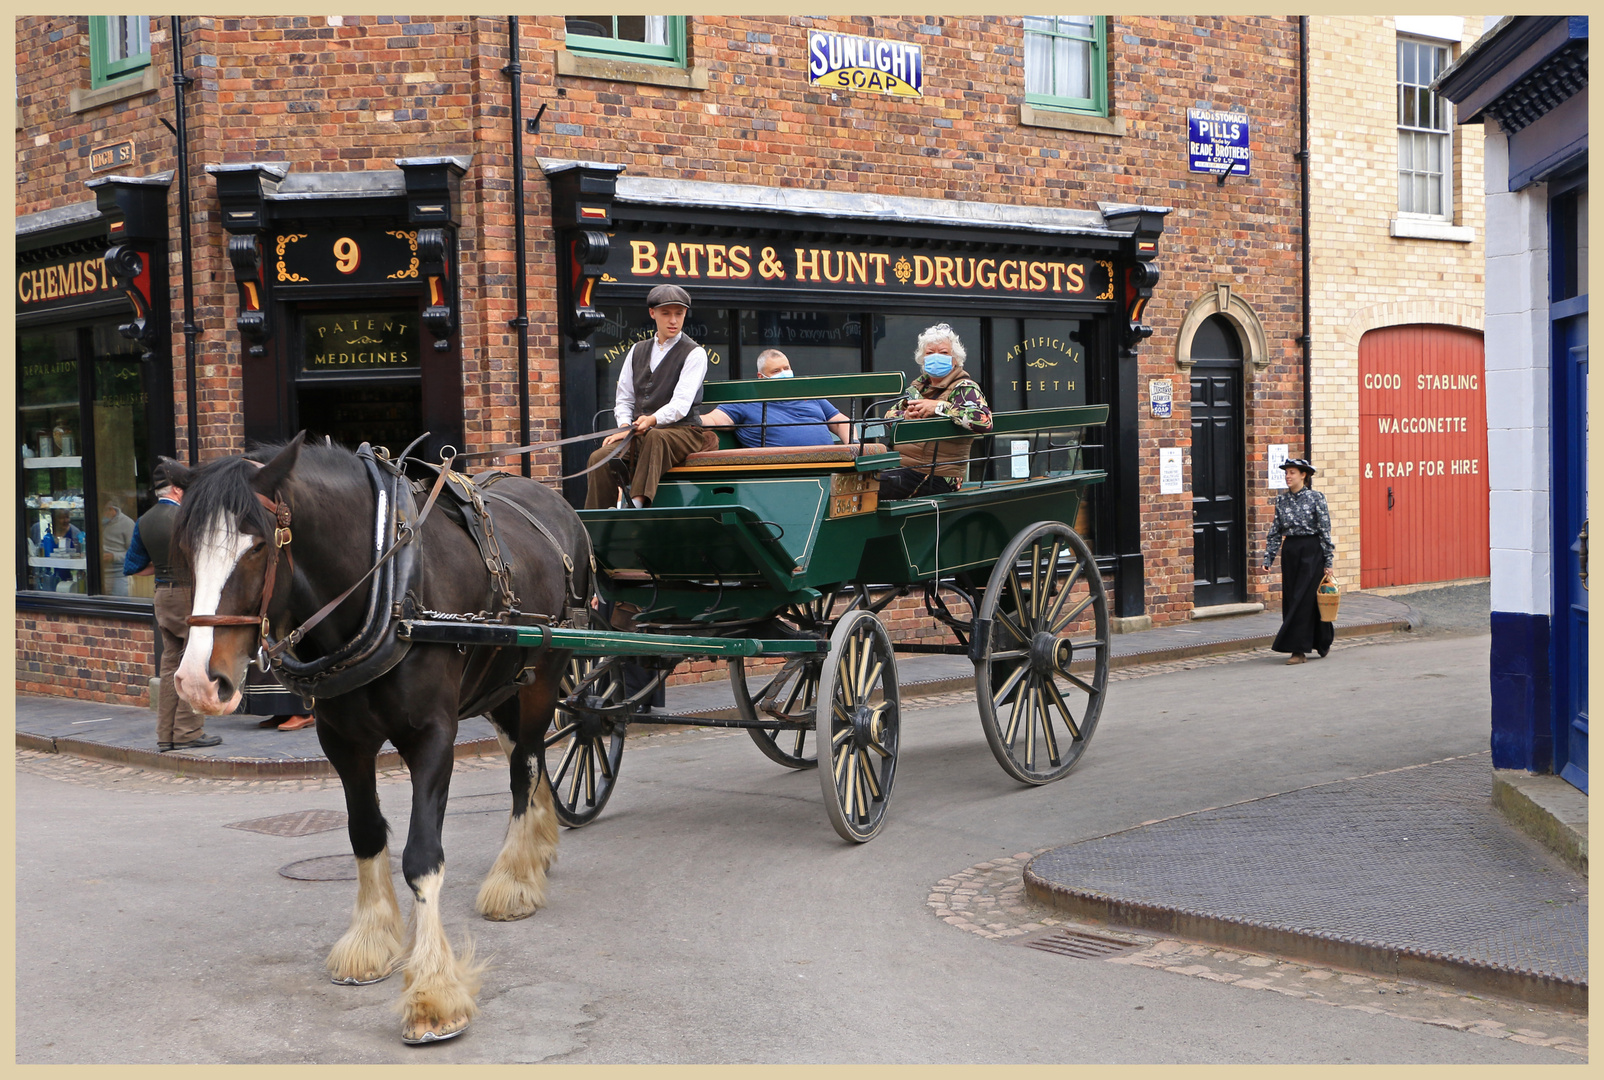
(1298, 463)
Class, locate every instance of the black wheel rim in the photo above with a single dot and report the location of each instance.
(860, 724)
(583, 750)
(1040, 683)
(790, 694)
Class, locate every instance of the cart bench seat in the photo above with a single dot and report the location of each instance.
(832, 454)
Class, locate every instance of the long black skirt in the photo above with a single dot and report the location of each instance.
(1303, 565)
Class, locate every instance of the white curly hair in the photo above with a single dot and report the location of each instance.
(940, 332)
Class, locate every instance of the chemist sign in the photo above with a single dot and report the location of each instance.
(1217, 142)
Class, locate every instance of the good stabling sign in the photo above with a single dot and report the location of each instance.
(890, 271)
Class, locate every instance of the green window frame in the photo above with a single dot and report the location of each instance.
(1066, 62)
(628, 37)
(119, 46)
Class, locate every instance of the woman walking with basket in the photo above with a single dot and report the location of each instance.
(1302, 520)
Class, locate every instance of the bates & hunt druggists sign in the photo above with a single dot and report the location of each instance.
(888, 271)
(848, 62)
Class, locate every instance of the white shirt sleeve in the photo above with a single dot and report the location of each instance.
(690, 379)
(624, 398)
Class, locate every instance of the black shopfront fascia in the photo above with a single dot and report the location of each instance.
(105, 266)
(609, 248)
(308, 248)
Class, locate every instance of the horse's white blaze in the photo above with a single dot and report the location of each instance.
(218, 553)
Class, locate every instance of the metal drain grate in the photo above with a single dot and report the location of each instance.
(300, 823)
(1077, 943)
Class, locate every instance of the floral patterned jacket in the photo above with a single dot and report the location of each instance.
(1300, 513)
(966, 407)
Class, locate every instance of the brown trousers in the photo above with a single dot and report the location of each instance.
(649, 456)
(175, 720)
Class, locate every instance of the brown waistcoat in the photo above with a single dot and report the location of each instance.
(654, 389)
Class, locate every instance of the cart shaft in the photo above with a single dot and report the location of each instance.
(601, 642)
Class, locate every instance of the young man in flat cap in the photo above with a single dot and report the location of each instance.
(659, 389)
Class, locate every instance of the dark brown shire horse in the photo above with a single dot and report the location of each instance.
(273, 537)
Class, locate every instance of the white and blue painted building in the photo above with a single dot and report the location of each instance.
(1525, 80)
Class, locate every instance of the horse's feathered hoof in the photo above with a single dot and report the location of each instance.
(419, 1038)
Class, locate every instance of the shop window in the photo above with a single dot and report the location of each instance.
(1425, 132)
(71, 469)
(658, 39)
(119, 46)
(816, 342)
(1066, 63)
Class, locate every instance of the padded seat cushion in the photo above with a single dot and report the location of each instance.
(778, 455)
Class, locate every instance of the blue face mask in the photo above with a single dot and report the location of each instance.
(779, 375)
(938, 365)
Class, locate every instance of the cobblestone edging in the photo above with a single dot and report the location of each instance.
(989, 900)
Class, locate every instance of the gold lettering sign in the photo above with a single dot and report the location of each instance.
(859, 268)
(355, 342)
(63, 281)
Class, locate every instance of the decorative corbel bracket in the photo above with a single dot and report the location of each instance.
(245, 252)
(1144, 225)
(242, 191)
(434, 258)
(433, 186)
(130, 269)
(582, 211)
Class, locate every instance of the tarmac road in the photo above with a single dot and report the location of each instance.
(711, 914)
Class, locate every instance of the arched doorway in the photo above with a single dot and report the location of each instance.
(1219, 522)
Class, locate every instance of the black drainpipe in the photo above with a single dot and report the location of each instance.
(191, 331)
(1303, 157)
(514, 72)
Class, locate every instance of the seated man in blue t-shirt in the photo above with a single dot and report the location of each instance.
(781, 423)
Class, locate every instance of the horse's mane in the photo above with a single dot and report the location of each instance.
(224, 486)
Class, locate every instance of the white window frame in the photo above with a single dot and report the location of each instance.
(1444, 134)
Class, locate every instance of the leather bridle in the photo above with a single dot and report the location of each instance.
(281, 540)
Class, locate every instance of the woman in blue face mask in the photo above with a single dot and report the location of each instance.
(944, 389)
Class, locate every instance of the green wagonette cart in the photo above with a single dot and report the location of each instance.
(786, 555)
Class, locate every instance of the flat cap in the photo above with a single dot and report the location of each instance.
(668, 294)
(159, 477)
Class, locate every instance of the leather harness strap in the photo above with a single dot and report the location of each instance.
(282, 539)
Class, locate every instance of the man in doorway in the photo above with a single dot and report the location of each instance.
(812, 422)
(659, 389)
(150, 552)
(116, 534)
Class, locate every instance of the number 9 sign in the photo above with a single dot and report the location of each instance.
(347, 256)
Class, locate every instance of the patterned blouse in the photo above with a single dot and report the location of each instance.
(966, 407)
(1300, 513)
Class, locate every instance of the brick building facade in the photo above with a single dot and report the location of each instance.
(1394, 293)
(395, 134)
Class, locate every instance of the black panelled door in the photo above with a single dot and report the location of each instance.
(1219, 555)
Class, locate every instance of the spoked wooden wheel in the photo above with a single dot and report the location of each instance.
(1040, 680)
(859, 724)
(790, 695)
(582, 749)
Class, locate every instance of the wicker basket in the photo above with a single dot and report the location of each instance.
(1329, 600)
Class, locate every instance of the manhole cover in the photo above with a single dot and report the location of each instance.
(1080, 944)
(300, 823)
(327, 868)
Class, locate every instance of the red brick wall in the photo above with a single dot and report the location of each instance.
(88, 658)
(316, 96)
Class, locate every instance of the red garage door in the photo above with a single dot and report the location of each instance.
(1423, 456)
